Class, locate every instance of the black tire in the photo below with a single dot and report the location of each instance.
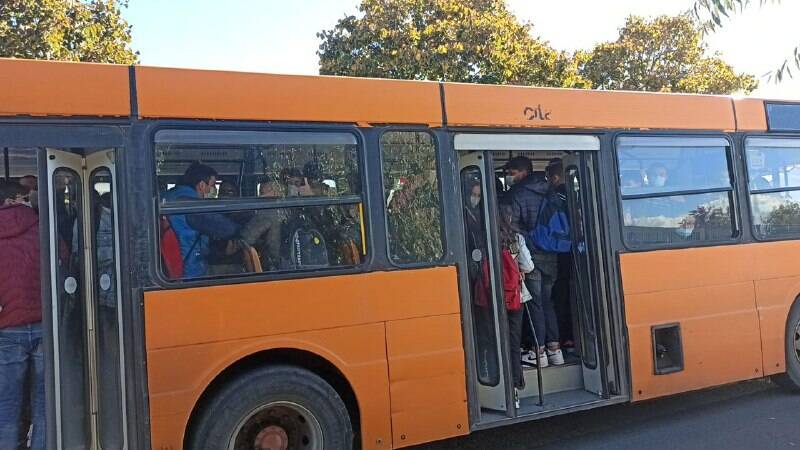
(238, 399)
(791, 379)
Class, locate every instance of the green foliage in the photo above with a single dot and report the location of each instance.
(66, 30)
(785, 215)
(712, 14)
(477, 41)
(411, 191)
(665, 54)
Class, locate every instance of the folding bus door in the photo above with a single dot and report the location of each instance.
(84, 269)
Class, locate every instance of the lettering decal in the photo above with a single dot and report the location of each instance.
(536, 113)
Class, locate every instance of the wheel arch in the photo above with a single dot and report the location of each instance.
(305, 359)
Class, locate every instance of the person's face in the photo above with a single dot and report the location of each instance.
(267, 190)
(658, 177)
(517, 175)
(204, 188)
(227, 190)
(555, 180)
(293, 185)
(475, 196)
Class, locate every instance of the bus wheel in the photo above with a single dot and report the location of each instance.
(276, 408)
(791, 379)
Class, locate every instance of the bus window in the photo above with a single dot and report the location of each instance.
(773, 167)
(292, 203)
(411, 195)
(675, 190)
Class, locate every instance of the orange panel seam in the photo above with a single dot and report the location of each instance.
(388, 385)
(760, 332)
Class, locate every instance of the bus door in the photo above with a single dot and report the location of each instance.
(88, 366)
(477, 185)
(587, 272)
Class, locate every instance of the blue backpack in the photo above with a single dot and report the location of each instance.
(551, 233)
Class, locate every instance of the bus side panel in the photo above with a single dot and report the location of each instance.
(208, 328)
(427, 379)
(710, 293)
(178, 376)
(48, 88)
(777, 286)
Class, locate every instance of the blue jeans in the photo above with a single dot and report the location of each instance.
(21, 355)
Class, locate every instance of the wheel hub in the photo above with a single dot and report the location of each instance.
(272, 438)
(797, 341)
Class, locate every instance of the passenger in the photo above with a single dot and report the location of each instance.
(225, 257)
(293, 181)
(515, 243)
(195, 230)
(526, 196)
(31, 183)
(313, 181)
(21, 358)
(657, 175)
(263, 231)
(479, 290)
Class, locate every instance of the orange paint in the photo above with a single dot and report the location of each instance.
(750, 114)
(427, 379)
(514, 106)
(731, 301)
(195, 94)
(348, 320)
(45, 88)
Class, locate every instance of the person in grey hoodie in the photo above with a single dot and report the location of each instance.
(528, 191)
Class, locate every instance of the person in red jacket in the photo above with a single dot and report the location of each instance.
(20, 317)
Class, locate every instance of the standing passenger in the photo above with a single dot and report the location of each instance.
(195, 230)
(20, 318)
(514, 242)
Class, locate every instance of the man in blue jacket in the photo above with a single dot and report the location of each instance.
(194, 231)
(528, 191)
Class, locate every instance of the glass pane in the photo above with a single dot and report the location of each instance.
(269, 240)
(411, 193)
(72, 355)
(774, 167)
(106, 307)
(678, 219)
(785, 117)
(480, 288)
(265, 170)
(656, 169)
(580, 271)
(776, 214)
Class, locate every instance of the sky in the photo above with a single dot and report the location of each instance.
(279, 36)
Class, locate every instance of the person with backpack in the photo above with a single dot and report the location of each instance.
(516, 262)
(528, 194)
(21, 357)
(192, 232)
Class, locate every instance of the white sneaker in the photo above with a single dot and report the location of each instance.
(531, 360)
(556, 357)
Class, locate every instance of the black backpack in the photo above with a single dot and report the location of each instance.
(303, 245)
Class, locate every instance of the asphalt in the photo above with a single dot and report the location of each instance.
(750, 415)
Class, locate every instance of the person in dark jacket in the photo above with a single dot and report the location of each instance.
(20, 318)
(527, 193)
(194, 231)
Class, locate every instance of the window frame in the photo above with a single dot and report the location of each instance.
(736, 223)
(750, 192)
(384, 207)
(254, 203)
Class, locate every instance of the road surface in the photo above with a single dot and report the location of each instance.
(751, 415)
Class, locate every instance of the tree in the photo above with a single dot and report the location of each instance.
(66, 30)
(711, 14)
(664, 54)
(478, 41)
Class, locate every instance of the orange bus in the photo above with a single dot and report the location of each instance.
(336, 309)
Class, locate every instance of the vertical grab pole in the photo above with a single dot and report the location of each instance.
(538, 366)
